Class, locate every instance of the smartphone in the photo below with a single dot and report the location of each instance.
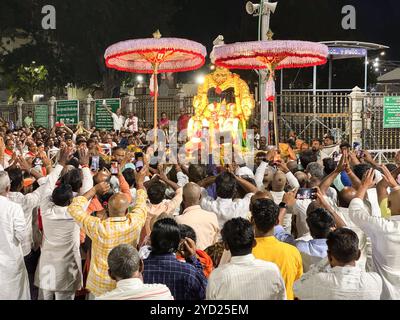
(95, 163)
(181, 247)
(360, 154)
(307, 194)
(336, 156)
(37, 164)
(139, 165)
(356, 146)
(114, 168)
(38, 169)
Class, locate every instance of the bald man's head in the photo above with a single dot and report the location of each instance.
(279, 181)
(346, 196)
(314, 182)
(260, 195)
(268, 177)
(302, 178)
(118, 205)
(191, 194)
(394, 202)
(101, 176)
(293, 166)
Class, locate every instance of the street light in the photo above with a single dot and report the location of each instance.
(200, 79)
(383, 53)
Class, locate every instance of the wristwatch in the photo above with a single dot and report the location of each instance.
(283, 205)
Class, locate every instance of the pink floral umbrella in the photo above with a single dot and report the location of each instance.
(272, 55)
(156, 55)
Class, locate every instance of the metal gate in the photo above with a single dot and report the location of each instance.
(8, 112)
(311, 116)
(374, 136)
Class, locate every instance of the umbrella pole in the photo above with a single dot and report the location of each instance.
(155, 106)
(276, 134)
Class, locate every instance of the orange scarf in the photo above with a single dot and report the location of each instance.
(205, 261)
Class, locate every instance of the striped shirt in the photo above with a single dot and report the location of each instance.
(186, 280)
(246, 278)
(106, 235)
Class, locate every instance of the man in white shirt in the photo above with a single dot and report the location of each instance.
(244, 277)
(125, 267)
(132, 123)
(342, 280)
(225, 207)
(203, 222)
(118, 119)
(14, 281)
(282, 177)
(384, 234)
(31, 200)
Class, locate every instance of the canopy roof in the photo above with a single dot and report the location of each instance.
(339, 50)
(390, 77)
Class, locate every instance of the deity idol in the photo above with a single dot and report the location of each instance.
(223, 105)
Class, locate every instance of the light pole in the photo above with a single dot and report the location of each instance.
(263, 11)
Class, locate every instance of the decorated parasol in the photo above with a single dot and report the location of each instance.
(155, 55)
(271, 55)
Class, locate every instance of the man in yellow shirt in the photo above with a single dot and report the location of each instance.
(265, 215)
(119, 228)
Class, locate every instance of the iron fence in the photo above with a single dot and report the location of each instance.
(8, 112)
(145, 109)
(374, 136)
(311, 116)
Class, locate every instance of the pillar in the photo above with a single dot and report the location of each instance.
(356, 115)
(20, 105)
(87, 114)
(52, 111)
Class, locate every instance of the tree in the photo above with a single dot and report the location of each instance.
(74, 51)
(28, 80)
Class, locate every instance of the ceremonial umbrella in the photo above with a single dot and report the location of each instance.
(156, 55)
(272, 55)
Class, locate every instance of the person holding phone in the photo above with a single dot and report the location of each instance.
(320, 221)
(384, 233)
(186, 280)
(118, 227)
(340, 278)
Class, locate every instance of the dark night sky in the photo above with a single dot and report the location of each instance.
(204, 20)
(377, 21)
(315, 20)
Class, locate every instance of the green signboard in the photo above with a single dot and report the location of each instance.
(391, 112)
(41, 114)
(103, 119)
(67, 111)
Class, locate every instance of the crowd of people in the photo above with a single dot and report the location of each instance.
(92, 214)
